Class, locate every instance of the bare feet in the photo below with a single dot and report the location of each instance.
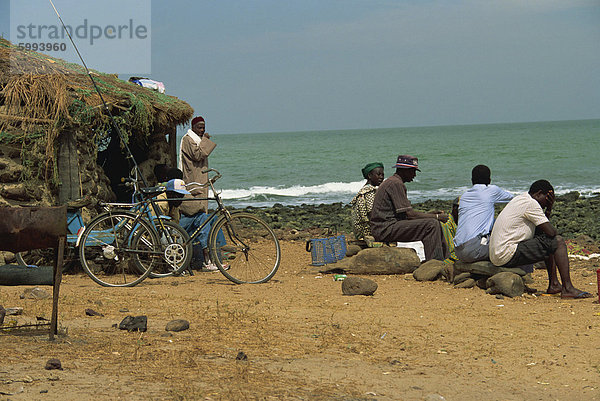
(554, 289)
(574, 293)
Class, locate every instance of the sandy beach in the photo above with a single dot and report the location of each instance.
(304, 340)
(297, 97)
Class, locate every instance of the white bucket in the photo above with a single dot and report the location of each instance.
(416, 245)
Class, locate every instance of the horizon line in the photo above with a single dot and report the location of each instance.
(405, 127)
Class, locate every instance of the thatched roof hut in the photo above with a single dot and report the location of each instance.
(56, 140)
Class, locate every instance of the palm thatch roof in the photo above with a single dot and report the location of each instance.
(40, 95)
(44, 101)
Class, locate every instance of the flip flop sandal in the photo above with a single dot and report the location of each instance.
(581, 295)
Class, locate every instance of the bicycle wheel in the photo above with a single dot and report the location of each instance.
(244, 248)
(176, 250)
(119, 249)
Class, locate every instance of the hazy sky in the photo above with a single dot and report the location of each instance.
(273, 65)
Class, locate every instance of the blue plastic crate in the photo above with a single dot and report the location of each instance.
(339, 246)
(326, 250)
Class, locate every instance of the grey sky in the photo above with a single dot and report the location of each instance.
(272, 65)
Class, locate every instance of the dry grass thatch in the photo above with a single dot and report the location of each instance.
(41, 95)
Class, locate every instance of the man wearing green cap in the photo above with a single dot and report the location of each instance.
(363, 201)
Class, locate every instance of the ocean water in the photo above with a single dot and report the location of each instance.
(315, 167)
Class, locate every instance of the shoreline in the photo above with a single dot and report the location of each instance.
(572, 215)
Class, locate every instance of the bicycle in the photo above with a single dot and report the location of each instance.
(176, 250)
(130, 246)
(175, 258)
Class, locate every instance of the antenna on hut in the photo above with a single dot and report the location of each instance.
(112, 120)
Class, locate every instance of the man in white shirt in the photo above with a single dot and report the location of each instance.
(523, 234)
(476, 216)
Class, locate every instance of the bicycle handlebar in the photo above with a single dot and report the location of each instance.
(210, 182)
(135, 183)
(214, 177)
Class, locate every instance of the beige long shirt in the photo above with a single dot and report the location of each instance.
(194, 159)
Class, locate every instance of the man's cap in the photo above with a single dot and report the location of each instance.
(177, 185)
(407, 161)
(197, 120)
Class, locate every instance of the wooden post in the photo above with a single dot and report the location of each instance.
(58, 266)
(173, 146)
(68, 168)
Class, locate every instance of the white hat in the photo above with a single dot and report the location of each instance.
(177, 185)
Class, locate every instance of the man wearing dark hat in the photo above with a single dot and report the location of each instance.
(394, 220)
(195, 148)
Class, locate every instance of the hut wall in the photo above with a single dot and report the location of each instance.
(79, 173)
(68, 168)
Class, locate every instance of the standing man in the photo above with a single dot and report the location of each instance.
(523, 235)
(476, 216)
(393, 218)
(194, 150)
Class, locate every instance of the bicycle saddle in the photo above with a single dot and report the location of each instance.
(152, 191)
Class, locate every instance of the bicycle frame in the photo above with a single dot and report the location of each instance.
(148, 202)
(143, 208)
(220, 206)
(148, 208)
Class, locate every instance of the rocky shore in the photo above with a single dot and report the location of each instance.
(573, 216)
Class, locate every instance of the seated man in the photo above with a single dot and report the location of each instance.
(187, 214)
(193, 215)
(167, 201)
(393, 218)
(476, 216)
(523, 234)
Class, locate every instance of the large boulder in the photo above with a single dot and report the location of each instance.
(358, 286)
(177, 325)
(352, 250)
(384, 260)
(468, 283)
(506, 283)
(448, 272)
(134, 323)
(429, 271)
(484, 268)
(459, 278)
